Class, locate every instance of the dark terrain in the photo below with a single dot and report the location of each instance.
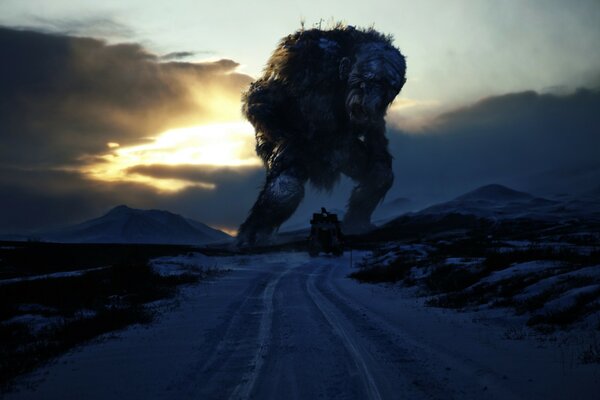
(541, 266)
(55, 296)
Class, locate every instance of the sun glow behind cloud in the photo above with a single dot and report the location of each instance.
(229, 144)
(412, 115)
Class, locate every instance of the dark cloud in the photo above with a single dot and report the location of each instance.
(41, 199)
(226, 205)
(536, 142)
(96, 26)
(540, 142)
(179, 55)
(193, 173)
(235, 193)
(63, 97)
(33, 199)
(543, 143)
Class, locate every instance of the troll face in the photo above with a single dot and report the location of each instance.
(373, 81)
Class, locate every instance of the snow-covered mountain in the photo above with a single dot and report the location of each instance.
(123, 224)
(497, 201)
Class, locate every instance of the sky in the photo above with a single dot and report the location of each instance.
(105, 103)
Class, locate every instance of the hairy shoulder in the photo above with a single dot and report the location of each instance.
(311, 57)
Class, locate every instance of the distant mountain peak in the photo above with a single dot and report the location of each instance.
(495, 192)
(123, 224)
(122, 208)
(500, 202)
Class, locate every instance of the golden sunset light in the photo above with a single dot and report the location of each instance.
(412, 115)
(227, 229)
(228, 144)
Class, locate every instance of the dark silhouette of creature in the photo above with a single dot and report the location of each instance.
(318, 112)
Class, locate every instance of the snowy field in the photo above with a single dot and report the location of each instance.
(287, 326)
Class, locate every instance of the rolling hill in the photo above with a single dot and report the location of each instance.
(123, 224)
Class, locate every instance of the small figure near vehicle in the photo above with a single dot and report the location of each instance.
(325, 234)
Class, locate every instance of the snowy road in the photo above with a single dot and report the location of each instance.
(285, 326)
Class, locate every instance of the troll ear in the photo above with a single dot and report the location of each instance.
(344, 68)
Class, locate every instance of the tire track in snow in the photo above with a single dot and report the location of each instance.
(232, 324)
(421, 350)
(244, 388)
(223, 345)
(333, 318)
(306, 358)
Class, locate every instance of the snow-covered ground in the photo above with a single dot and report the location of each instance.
(54, 275)
(287, 326)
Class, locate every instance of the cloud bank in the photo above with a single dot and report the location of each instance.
(63, 99)
(540, 142)
(544, 143)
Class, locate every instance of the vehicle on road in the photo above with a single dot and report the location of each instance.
(325, 234)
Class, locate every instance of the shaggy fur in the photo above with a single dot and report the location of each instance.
(318, 111)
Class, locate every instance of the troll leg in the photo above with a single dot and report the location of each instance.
(372, 170)
(276, 202)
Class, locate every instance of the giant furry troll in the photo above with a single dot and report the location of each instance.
(318, 112)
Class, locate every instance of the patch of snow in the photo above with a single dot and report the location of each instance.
(54, 275)
(35, 309)
(276, 314)
(547, 283)
(35, 322)
(85, 313)
(569, 298)
(181, 264)
(521, 269)
(463, 261)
